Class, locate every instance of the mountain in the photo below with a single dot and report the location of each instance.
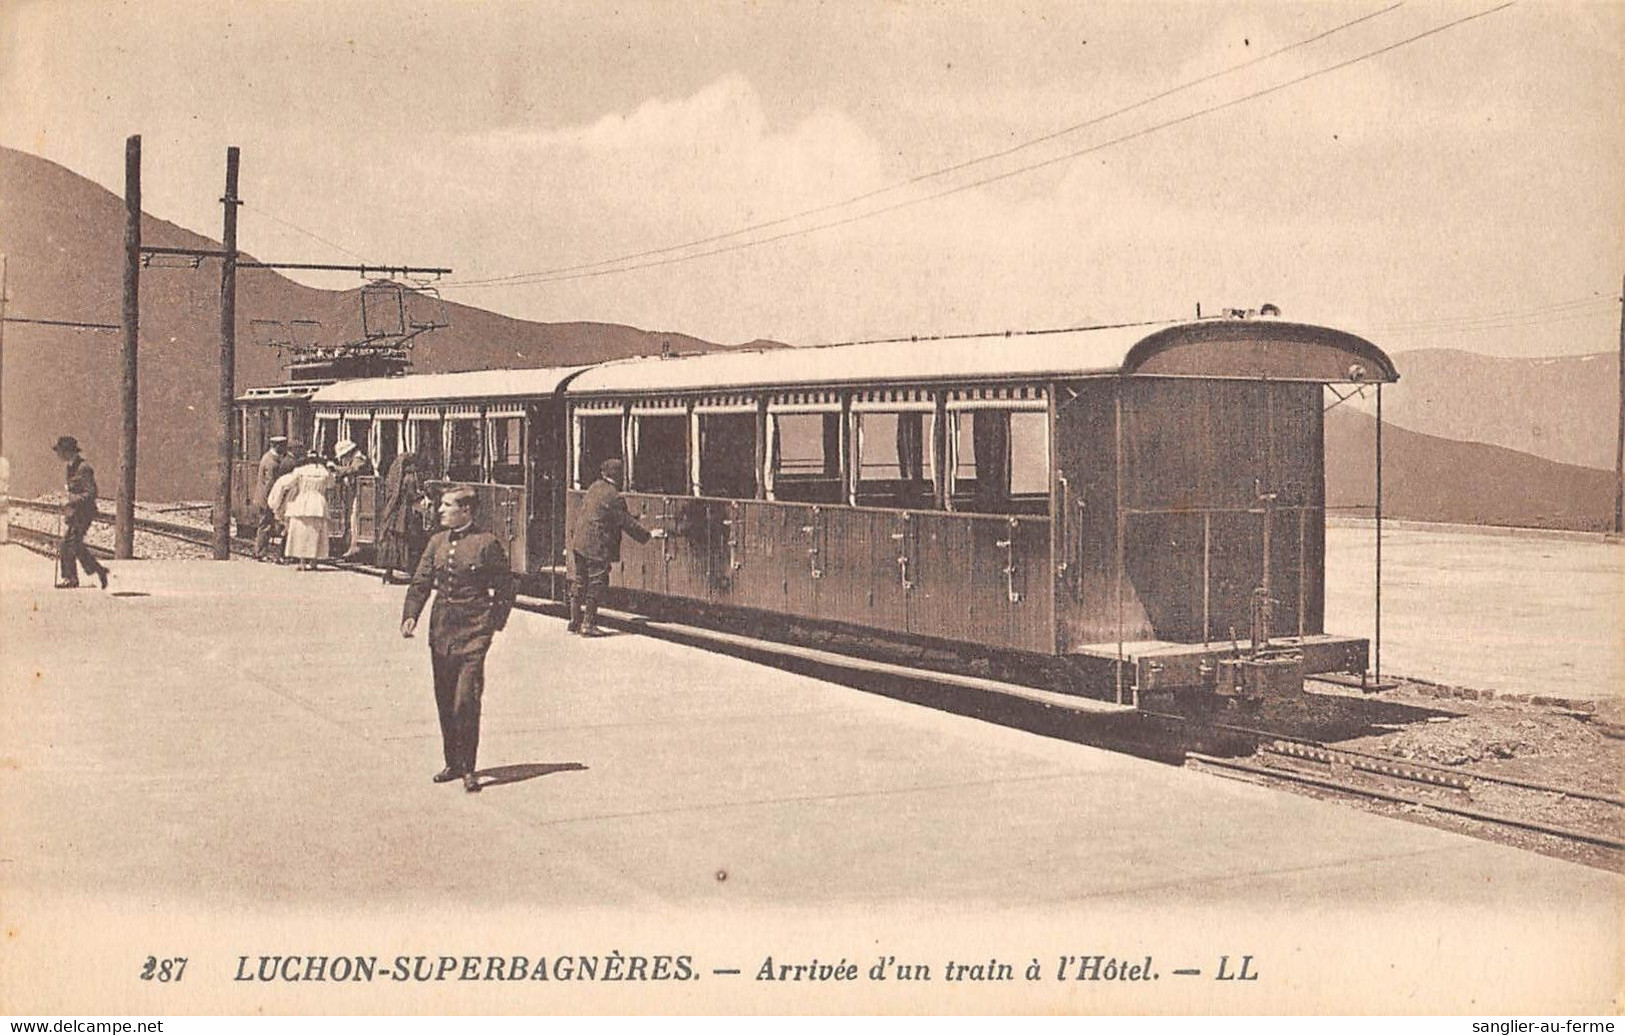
(1563, 408)
(1429, 478)
(63, 236)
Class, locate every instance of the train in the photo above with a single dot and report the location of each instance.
(1138, 507)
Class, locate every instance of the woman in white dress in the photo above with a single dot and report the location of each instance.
(300, 498)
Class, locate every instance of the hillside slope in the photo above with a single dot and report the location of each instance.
(1563, 408)
(63, 236)
(1428, 478)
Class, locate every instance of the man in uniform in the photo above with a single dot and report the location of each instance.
(595, 544)
(270, 471)
(468, 571)
(78, 513)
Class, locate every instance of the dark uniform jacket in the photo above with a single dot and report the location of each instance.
(270, 471)
(80, 509)
(473, 586)
(600, 522)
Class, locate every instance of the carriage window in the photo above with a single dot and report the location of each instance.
(359, 431)
(262, 441)
(465, 464)
(728, 455)
(327, 435)
(660, 454)
(806, 462)
(431, 458)
(507, 451)
(599, 440)
(893, 459)
(1001, 462)
(389, 445)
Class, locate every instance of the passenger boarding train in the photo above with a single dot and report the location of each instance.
(1144, 504)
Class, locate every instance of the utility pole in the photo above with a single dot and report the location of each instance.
(2, 355)
(227, 395)
(1619, 446)
(124, 517)
(228, 361)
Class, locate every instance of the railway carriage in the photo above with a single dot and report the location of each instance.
(1143, 504)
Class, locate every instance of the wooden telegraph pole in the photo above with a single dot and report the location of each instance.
(1619, 445)
(228, 362)
(124, 517)
(230, 264)
(2, 355)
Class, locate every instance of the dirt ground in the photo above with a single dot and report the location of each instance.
(1573, 748)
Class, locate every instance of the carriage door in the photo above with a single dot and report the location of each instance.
(545, 479)
(1291, 499)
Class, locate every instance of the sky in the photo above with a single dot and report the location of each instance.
(822, 172)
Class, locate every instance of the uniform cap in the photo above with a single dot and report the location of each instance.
(66, 444)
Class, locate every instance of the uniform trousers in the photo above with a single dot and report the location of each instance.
(459, 683)
(73, 550)
(589, 577)
(264, 530)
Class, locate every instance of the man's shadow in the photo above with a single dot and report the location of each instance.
(502, 774)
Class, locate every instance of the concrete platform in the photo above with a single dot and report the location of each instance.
(1491, 609)
(231, 759)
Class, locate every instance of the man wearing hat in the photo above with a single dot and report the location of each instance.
(468, 572)
(78, 512)
(595, 544)
(270, 470)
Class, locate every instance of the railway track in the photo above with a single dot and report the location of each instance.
(44, 542)
(1564, 815)
(1567, 815)
(193, 535)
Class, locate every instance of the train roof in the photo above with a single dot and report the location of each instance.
(513, 383)
(1237, 348)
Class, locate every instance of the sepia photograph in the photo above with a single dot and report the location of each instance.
(863, 507)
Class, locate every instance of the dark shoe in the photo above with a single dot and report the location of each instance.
(471, 783)
(101, 576)
(574, 626)
(592, 632)
(446, 775)
(67, 585)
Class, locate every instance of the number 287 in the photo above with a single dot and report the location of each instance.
(169, 969)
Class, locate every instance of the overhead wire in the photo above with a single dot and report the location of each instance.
(937, 173)
(1557, 311)
(519, 280)
(310, 234)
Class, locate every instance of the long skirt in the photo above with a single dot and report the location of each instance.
(307, 537)
(401, 550)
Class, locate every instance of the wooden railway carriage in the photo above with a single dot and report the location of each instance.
(1140, 502)
(262, 413)
(495, 430)
(498, 431)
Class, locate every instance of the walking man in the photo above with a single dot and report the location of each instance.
(468, 572)
(270, 471)
(78, 512)
(595, 544)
